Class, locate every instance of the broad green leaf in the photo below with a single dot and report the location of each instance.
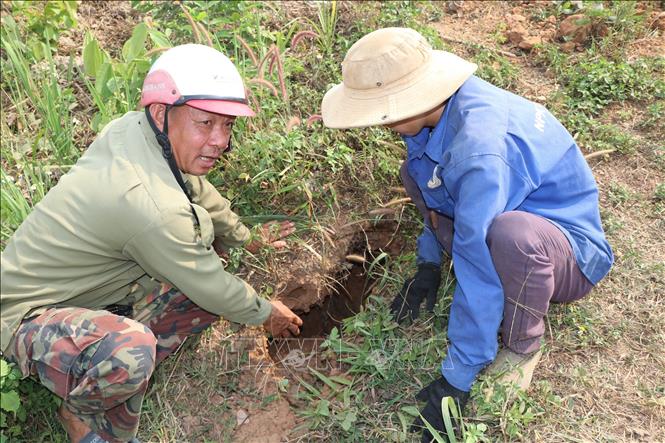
(323, 408)
(105, 73)
(159, 39)
(4, 368)
(9, 401)
(434, 432)
(325, 380)
(349, 419)
(411, 410)
(404, 422)
(21, 414)
(342, 380)
(93, 56)
(135, 46)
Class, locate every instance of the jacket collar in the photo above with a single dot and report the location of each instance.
(152, 142)
(429, 140)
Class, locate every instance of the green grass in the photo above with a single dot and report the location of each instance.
(592, 82)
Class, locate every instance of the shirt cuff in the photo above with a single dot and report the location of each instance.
(429, 248)
(264, 310)
(459, 375)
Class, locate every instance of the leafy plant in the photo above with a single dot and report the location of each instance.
(495, 68)
(45, 21)
(506, 405)
(19, 196)
(12, 412)
(659, 193)
(117, 83)
(40, 96)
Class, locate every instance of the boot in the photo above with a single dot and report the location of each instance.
(512, 368)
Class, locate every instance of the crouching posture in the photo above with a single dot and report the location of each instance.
(117, 265)
(502, 188)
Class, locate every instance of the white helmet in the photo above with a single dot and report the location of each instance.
(198, 75)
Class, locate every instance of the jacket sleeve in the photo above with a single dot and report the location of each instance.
(171, 250)
(429, 248)
(229, 230)
(483, 186)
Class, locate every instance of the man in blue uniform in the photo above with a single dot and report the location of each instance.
(503, 189)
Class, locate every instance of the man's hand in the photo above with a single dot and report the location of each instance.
(423, 285)
(271, 234)
(282, 321)
(433, 394)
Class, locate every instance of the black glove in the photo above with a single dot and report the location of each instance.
(432, 394)
(422, 285)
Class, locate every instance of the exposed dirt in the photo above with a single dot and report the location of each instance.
(488, 23)
(323, 301)
(267, 375)
(110, 22)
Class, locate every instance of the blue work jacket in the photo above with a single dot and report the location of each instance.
(492, 152)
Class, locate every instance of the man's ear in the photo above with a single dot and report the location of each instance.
(157, 111)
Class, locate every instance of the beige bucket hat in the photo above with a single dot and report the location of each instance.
(390, 75)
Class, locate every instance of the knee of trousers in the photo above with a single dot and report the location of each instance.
(509, 233)
(126, 357)
(403, 171)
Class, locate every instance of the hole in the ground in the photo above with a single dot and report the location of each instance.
(344, 298)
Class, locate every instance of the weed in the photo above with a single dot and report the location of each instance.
(590, 85)
(40, 92)
(611, 224)
(508, 405)
(45, 21)
(19, 195)
(495, 68)
(659, 193)
(117, 83)
(20, 403)
(575, 326)
(655, 115)
(325, 29)
(10, 402)
(619, 194)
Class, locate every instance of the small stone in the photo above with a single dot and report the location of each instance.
(568, 47)
(529, 42)
(516, 34)
(242, 417)
(570, 25)
(576, 28)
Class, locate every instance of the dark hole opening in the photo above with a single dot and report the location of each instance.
(346, 297)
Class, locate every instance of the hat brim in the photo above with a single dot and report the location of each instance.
(341, 108)
(223, 107)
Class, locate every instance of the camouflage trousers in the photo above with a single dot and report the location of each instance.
(100, 363)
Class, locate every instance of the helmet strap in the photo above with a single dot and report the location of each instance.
(167, 151)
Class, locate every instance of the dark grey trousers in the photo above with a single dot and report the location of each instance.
(534, 261)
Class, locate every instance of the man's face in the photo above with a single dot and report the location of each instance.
(413, 125)
(198, 138)
(410, 126)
